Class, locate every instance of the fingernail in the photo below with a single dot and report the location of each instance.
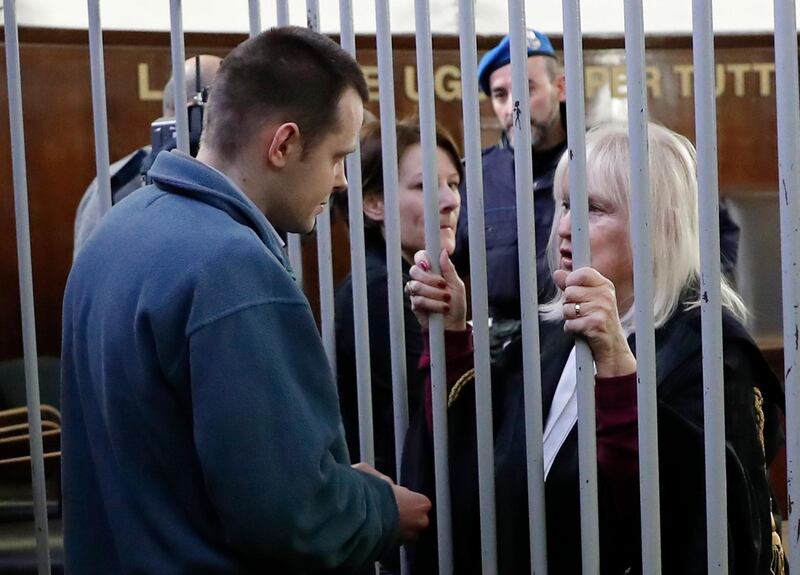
(424, 265)
(446, 297)
(446, 308)
(442, 284)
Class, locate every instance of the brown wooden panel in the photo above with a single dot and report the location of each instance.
(60, 148)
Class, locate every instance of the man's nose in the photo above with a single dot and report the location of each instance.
(507, 109)
(339, 177)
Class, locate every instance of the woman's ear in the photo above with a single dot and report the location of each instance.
(282, 143)
(373, 208)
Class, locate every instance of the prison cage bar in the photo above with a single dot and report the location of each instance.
(473, 169)
(642, 244)
(789, 186)
(788, 120)
(22, 220)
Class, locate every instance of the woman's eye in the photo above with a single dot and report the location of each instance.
(453, 185)
(565, 205)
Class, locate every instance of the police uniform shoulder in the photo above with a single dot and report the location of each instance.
(491, 150)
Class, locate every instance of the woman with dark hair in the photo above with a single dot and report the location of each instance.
(596, 304)
(412, 239)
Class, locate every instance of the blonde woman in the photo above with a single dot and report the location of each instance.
(596, 304)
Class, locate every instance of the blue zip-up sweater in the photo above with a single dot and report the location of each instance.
(201, 426)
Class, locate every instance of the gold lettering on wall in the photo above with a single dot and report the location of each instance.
(730, 78)
(371, 76)
(410, 83)
(738, 71)
(764, 71)
(653, 81)
(594, 78)
(447, 83)
(146, 93)
(685, 73)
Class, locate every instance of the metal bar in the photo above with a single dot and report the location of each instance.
(643, 287)
(99, 106)
(391, 229)
(283, 12)
(427, 116)
(710, 308)
(391, 223)
(312, 14)
(579, 212)
(526, 239)
(294, 240)
(324, 245)
(788, 103)
(358, 267)
(22, 220)
(477, 259)
(179, 75)
(255, 17)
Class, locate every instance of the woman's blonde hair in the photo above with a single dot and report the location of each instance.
(673, 223)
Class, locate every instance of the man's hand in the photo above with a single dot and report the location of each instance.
(412, 507)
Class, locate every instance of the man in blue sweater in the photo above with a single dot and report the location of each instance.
(201, 426)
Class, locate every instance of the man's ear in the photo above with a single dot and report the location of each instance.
(373, 207)
(561, 87)
(284, 142)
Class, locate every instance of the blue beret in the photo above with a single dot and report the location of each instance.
(500, 55)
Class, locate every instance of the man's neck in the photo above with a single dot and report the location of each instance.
(234, 173)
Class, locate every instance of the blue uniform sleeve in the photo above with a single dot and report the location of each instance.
(268, 436)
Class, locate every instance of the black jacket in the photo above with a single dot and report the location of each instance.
(380, 355)
(681, 464)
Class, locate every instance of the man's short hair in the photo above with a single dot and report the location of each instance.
(288, 74)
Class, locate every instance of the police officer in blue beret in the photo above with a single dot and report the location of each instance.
(549, 140)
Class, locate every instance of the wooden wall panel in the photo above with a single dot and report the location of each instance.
(60, 147)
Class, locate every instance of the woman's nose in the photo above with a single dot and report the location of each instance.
(565, 225)
(449, 199)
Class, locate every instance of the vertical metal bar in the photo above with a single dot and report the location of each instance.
(358, 267)
(293, 240)
(324, 250)
(427, 118)
(312, 14)
(179, 75)
(99, 106)
(788, 102)
(391, 222)
(255, 17)
(579, 212)
(477, 259)
(526, 234)
(26, 284)
(643, 287)
(711, 311)
(283, 12)
(391, 204)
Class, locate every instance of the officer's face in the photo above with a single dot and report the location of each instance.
(546, 94)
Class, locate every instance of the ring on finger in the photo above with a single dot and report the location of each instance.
(409, 289)
(577, 310)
